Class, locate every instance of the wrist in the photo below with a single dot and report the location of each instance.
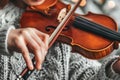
(111, 70)
(116, 66)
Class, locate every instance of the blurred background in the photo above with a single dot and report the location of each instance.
(107, 7)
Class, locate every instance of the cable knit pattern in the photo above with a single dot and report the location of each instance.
(55, 66)
(60, 63)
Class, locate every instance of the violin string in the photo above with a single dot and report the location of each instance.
(100, 32)
(98, 26)
(111, 32)
(96, 30)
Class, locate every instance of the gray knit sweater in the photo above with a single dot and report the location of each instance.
(60, 63)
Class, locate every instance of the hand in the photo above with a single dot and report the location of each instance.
(83, 3)
(116, 66)
(29, 40)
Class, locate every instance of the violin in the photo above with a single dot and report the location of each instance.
(88, 34)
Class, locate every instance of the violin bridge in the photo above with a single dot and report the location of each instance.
(62, 14)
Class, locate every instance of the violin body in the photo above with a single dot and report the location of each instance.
(84, 42)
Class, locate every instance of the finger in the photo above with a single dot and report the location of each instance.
(38, 39)
(41, 43)
(22, 46)
(83, 3)
(36, 50)
(38, 58)
(44, 37)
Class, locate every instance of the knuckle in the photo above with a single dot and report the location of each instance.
(37, 50)
(46, 35)
(33, 28)
(17, 39)
(23, 31)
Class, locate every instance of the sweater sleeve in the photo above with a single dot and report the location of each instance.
(4, 31)
(105, 71)
(86, 69)
(9, 19)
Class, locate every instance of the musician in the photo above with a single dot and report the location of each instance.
(18, 46)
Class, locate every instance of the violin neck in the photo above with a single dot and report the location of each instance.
(95, 28)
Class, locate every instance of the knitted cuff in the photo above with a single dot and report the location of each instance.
(4, 31)
(106, 72)
(112, 73)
